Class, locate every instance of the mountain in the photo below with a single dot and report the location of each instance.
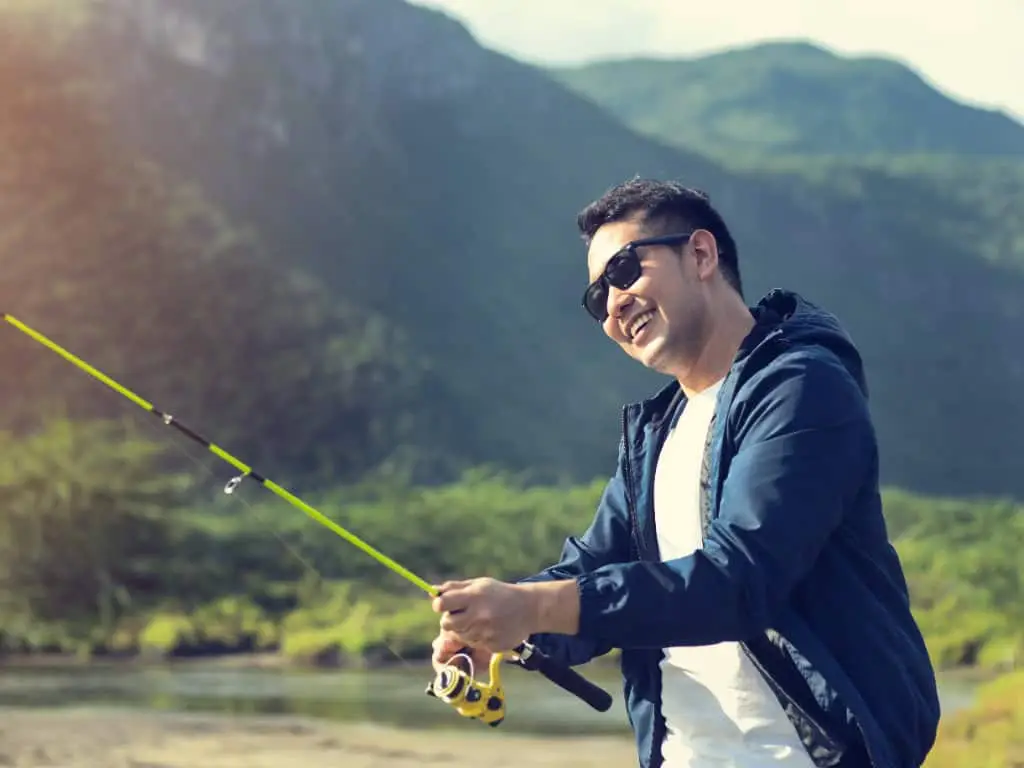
(132, 268)
(792, 98)
(376, 149)
(840, 123)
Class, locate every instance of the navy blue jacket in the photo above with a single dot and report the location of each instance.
(796, 563)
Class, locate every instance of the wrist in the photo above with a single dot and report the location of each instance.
(555, 606)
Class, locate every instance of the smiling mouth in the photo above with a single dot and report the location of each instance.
(638, 323)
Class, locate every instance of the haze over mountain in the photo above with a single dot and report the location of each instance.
(793, 98)
(423, 180)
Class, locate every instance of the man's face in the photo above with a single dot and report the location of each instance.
(660, 319)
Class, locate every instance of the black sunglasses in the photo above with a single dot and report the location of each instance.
(621, 271)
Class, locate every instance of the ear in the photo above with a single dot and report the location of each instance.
(705, 252)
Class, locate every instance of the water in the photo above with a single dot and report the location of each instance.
(393, 696)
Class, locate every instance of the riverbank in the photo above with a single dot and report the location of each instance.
(254, 660)
(961, 678)
(158, 729)
(118, 739)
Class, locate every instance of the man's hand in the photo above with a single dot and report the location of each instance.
(447, 644)
(493, 616)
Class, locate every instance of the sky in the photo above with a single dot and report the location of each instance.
(972, 52)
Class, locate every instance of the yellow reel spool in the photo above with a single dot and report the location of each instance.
(470, 697)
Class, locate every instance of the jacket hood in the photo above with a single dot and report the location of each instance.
(795, 321)
(782, 319)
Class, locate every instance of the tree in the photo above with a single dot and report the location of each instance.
(86, 524)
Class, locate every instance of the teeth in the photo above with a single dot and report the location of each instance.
(638, 321)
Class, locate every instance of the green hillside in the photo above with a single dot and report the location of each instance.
(793, 98)
(843, 124)
(975, 201)
(419, 179)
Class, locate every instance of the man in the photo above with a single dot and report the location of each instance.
(738, 556)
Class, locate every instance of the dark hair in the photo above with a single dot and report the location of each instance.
(663, 207)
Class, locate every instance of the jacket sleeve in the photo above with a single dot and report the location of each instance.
(805, 447)
(606, 541)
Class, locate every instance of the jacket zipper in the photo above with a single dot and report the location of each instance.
(706, 516)
(635, 541)
(628, 471)
(822, 733)
(638, 544)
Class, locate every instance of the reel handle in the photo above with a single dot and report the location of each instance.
(565, 677)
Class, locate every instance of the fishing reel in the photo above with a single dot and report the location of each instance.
(456, 685)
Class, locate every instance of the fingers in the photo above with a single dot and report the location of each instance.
(449, 585)
(472, 623)
(470, 610)
(457, 596)
(476, 634)
(455, 623)
(445, 645)
(458, 625)
(451, 597)
(467, 621)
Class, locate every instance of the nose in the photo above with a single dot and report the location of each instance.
(617, 302)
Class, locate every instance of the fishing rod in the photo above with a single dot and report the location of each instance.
(455, 683)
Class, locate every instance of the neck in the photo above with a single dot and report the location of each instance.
(728, 325)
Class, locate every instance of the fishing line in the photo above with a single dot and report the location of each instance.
(253, 510)
(246, 471)
(233, 485)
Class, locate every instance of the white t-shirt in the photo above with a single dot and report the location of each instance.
(719, 711)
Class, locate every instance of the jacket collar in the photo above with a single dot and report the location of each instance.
(774, 308)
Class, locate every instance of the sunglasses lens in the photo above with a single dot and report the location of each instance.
(621, 271)
(596, 300)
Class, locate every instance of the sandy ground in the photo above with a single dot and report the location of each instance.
(115, 739)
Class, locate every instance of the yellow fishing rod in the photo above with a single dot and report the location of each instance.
(454, 684)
